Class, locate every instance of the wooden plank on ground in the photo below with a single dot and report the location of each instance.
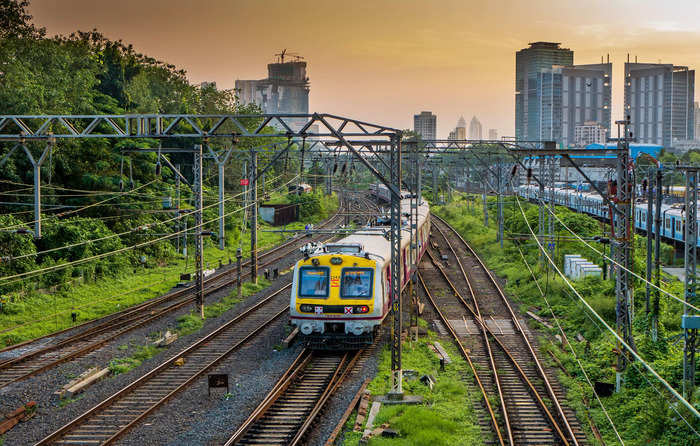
(348, 411)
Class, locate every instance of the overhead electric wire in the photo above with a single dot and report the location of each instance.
(619, 265)
(622, 342)
(133, 230)
(573, 352)
(120, 250)
(63, 214)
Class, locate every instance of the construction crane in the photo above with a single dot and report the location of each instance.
(280, 56)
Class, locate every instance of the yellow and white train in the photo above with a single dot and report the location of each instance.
(341, 291)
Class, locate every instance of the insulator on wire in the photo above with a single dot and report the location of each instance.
(121, 185)
(342, 171)
(514, 170)
(158, 169)
(335, 168)
(529, 174)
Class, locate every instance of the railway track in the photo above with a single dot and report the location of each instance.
(98, 333)
(498, 347)
(288, 411)
(108, 421)
(112, 418)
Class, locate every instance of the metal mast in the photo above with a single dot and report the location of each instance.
(623, 243)
(691, 240)
(198, 244)
(395, 239)
(254, 216)
(657, 255)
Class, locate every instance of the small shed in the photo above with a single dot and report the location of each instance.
(279, 214)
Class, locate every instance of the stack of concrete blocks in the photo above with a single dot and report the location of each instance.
(577, 267)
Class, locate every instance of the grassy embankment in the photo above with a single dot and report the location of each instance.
(642, 415)
(41, 314)
(446, 416)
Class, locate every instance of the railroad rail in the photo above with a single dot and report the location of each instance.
(109, 420)
(98, 333)
(288, 411)
(491, 337)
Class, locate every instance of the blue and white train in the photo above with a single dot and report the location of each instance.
(672, 215)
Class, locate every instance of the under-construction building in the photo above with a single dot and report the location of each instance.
(285, 90)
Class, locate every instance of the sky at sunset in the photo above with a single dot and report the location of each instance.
(384, 60)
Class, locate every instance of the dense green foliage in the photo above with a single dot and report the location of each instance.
(95, 189)
(642, 415)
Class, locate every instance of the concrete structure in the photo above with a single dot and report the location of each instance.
(493, 134)
(589, 133)
(659, 100)
(528, 63)
(285, 90)
(460, 132)
(425, 124)
(475, 129)
(570, 96)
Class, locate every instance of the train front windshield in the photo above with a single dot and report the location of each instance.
(313, 282)
(356, 283)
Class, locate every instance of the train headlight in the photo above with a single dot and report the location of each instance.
(306, 328)
(306, 308)
(336, 260)
(359, 309)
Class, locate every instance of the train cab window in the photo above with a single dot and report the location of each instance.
(356, 283)
(314, 282)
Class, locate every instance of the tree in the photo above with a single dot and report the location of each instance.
(15, 21)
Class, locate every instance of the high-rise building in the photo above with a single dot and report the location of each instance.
(460, 132)
(659, 101)
(570, 96)
(475, 129)
(425, 124)
(589, 133)
(285, 90)
(696, 112)
(493, 134)
(528, 63)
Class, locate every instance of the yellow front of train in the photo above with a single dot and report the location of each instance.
(337, 298)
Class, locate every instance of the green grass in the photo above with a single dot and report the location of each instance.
(123, 365)
(446, 417)
(36, 315)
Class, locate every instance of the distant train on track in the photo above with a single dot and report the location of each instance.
(301, 188)
(382, 192)
(672, 215)
(341, 291)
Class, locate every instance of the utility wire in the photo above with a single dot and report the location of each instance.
(565, 341)
(132, 230)
(618, 264)
(63, 214)
(622, 342)
(124, 249)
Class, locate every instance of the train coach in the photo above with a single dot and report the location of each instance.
(341, 291)
(672, 215)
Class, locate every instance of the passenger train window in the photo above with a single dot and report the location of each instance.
(356, 283)
(313, 282)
